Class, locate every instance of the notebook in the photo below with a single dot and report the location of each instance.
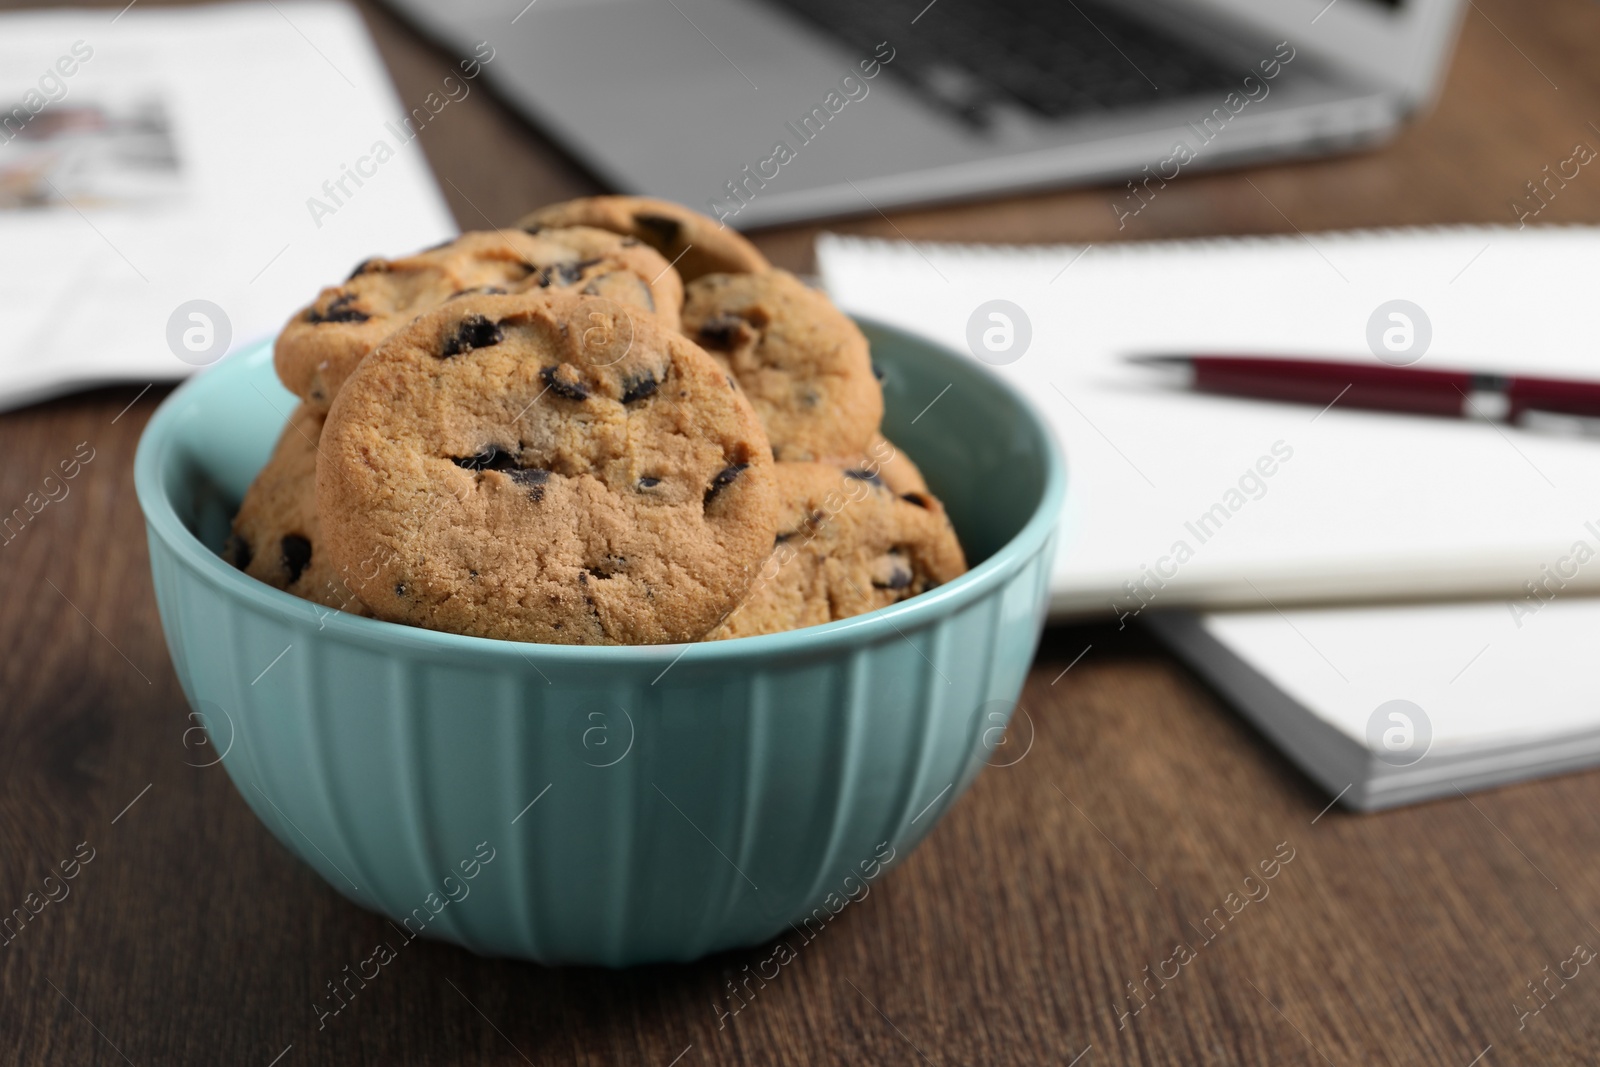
(1182, 500)
(220, 161)
(1391, 705)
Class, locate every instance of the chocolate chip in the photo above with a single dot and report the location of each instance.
(649, 483)
(722, 331)
(877, 372)
(296, 554)
(637, 388)
(474, 331)
(570, 390)
(533, 227)
(373, 265)
(891, 571)
(897, 578)
(724, 478)
(921, 500)
(660, 230)
(483, 290)
(400, 589)
(604, 571)
(237, 551)
(338, 311)
(492, 458)
(495, 458)
(532, 479)
(562, 274)
(554, 274)
(865, 476)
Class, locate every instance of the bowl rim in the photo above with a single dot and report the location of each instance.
(162, 522)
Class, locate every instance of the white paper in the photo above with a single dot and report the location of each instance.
(1483, 674)
(175, 163)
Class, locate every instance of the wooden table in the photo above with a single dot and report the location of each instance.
(1011, 937)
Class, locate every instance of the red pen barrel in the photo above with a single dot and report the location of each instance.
(1549, 394)
(1422, 392)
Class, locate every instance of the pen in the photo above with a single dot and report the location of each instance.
(1534, 403)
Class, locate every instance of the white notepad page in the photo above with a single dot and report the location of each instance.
(179, 160)
(1485, 674)
(1486, 692)
(1366, 504)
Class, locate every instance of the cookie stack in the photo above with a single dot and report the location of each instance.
(615, 424)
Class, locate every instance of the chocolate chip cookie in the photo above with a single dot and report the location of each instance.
(324, 342)
(846, 544)
(276, 536)
(547, 467)
(696, 244)
(803, 363)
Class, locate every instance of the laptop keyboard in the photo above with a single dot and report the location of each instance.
(1057, 58)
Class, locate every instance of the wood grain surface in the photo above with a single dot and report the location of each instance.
(1020, 933)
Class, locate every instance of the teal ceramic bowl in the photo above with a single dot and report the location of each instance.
(607, 805)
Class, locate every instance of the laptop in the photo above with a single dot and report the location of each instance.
(760, 112)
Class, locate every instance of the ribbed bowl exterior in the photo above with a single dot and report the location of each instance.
(585, 805)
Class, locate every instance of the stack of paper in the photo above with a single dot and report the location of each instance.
(1182, 500)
